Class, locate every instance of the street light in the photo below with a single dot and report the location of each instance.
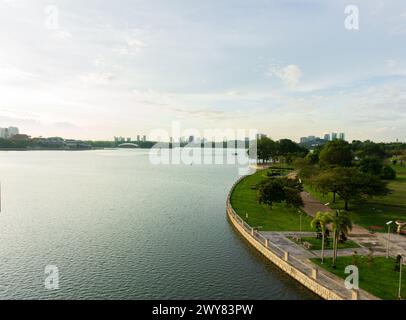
(387, 246)
(300, 215)
(400, 277)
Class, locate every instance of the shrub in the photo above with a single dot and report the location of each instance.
(388, 173)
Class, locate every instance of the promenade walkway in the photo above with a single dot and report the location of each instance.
(295, 255)
(377, 242)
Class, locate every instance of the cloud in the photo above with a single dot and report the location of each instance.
(95, 79)
(152, 97)
(290, 75)
(130, 42)
(204, 113)
(11, 73)
(61, 35)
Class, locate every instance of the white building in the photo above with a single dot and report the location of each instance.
(9, 132)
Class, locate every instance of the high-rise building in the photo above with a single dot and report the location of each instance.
(3, 133)
(12, 131)
(261, 136)
(138, 138)
(144, 138)
(7, 133)
(334, 136)
(341, 136)
(327, 137)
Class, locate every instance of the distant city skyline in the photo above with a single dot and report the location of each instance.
(93, 70)
(10, 131)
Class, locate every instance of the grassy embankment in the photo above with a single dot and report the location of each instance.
(377, 275)
(279, 218)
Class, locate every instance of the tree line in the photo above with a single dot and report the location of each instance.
(353, 171)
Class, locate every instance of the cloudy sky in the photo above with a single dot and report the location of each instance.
(98, 68)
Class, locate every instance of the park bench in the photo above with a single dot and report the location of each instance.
(307, 245)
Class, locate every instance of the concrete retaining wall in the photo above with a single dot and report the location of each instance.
(308, 281)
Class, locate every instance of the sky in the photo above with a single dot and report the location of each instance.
(94, 69)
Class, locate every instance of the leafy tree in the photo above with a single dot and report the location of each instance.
(336, 153)
(277, 190)
(388, 173)
(322, 219)
(266, 149)
(341, 225)
(313, 157)
(353, 184)
(328, 181)
(372, 165)
(271, 191)
(288, 149)
(371, 149)
(293, 198)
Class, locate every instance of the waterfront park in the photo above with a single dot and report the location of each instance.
(340, 204)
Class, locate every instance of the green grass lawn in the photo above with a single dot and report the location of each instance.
(377, 277)
(279, 218)
(316, 243)
(376, 211)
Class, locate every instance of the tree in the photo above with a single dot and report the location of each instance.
(388, 173)
(293, 197)
(336, 153)
(327, 181)
(266, 149)
(370, 149)
(271, 191)
(277, 190)
(341, 225)
(288, 149)
(313, 157)
(372, 165)
(321, 219)
(353, 184)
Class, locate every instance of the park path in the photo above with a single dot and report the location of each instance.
(377, 242)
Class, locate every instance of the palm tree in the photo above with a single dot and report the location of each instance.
(341, 224)
(322, 219)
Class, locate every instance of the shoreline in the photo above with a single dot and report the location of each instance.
(323, 283)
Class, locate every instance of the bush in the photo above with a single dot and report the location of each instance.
(293, 198)
(388, 173)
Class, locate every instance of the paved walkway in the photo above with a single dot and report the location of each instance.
(300, 258)
(377, 242)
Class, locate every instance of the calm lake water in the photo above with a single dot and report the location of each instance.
(118, 227)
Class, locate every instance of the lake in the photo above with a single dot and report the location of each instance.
(118, 227)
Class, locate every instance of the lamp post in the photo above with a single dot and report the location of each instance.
(300, 220)
(400, 278)
(387, 245)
